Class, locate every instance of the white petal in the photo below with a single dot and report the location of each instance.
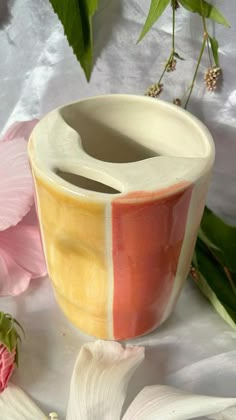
(16, 405)
(166, 403)
(100, 379)
(229, 414)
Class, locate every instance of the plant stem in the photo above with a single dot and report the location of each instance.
(229, 277)
(185, 94)
(196, 71)
(173, 44)
(209, 52)
(173, 27)
(207, 39)
(203, 18)
(167, 63)
(165, 68)
(206, 32)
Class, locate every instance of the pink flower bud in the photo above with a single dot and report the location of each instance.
(7, 365)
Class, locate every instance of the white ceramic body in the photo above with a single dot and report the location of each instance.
(121, 183)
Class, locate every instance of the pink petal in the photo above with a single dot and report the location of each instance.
(23, 244)
(31, 218)
(19, 130)
(16, 186)
(13, 279)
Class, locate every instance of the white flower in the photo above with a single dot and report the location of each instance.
(98, 389)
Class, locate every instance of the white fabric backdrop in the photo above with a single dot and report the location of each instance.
(195, 349)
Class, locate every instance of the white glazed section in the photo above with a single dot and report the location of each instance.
(184, 146)
(195, 212)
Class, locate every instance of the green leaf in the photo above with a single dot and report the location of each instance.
(157, 7)
(188, 5)
(220, 239)
(76, 18)
(215, 46)
(8, 333)
(215, 275)
(227, 314)
(214, 284)
(205, 9)
(178, 56)
(92, 6)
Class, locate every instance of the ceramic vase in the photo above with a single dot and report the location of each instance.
(120, 182)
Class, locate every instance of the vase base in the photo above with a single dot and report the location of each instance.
(90, 325)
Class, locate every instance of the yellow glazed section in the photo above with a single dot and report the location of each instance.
(73, 232)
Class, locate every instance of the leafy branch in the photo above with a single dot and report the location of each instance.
(76, 18)
(214, 264)
(206, 11)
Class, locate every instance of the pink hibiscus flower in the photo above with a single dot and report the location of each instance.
(21, 254)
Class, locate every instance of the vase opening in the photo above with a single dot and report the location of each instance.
(123, 129)
(86, 183)
(107, 143)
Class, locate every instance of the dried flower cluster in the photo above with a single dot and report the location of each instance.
(209, 43)
(177, 102)
(193, 272)
(171, 65)
(154, 90)
(211, 78)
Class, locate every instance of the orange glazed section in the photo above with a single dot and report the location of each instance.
(147, 240)
(74, 242)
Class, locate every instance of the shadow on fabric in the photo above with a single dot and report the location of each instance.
(104, 23)
(5, 12)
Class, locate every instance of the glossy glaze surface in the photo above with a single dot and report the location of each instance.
(74, 238)
(147, 240)
(119, 206)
